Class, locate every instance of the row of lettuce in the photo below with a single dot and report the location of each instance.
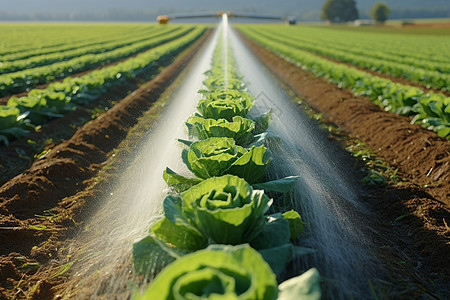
(20, 81)
(21, 115)
(10, 63)
(25, 40)
(432, 110)
(221, 236)
(423, 51)
(435, 75)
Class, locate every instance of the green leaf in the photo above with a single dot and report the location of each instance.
(179, 182)
(149, 257)
(283, 185)
(8, 117)
(273, 242)
(262, 122)
(252, 165)
(303, 287)
(295, 223)
(179, 236)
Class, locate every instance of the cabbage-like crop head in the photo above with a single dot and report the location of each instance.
(226, 209)
(219, 272)
(218, 156)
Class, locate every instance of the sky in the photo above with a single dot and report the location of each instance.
(278, 7)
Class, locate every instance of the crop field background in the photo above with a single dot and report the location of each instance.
(240, 157)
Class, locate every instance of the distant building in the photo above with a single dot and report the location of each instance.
(364, 22)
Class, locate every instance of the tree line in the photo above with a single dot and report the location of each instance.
(338, 11)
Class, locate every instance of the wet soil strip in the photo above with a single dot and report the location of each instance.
(36, 211)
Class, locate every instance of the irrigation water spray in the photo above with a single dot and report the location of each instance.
(102, 251)
(325, 195)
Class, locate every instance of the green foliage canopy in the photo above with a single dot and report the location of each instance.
(337, 11)
(380, 12)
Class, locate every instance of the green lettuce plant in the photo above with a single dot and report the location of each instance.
(240, 129)
(12, 124)
(225, 104)
(222, 210)
(219, 156)
(228, 272)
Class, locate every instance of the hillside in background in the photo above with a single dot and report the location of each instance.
(144, 10)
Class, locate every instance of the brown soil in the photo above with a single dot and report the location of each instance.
(422, 235)
(40, 207)
(430, 25)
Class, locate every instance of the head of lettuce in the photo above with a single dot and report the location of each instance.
(224, 272)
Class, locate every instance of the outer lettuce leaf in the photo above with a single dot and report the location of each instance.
(8, 116)
(262, 122)
(149, 257)
(303, 287)
(219, 156)
(273, 242)
(219, 272)
(179, 236)
(283, 185)
(295, 223)
(178, 182)
(252, 165)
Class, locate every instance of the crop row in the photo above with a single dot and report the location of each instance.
(99, 47)
(96, 37)
(396, 47)
(40, 38)
(413, 70)
(216, 239)
(20, 115)
(353, 46)
(432, 110)
(17, 82)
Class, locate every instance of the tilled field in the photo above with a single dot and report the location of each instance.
(44, 201)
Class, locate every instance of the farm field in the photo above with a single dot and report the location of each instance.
(107, 131)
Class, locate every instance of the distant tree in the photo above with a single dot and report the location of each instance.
(337, 11)
(380, 12)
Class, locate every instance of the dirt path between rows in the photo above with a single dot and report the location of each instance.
(414, 215)
(40, 207)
